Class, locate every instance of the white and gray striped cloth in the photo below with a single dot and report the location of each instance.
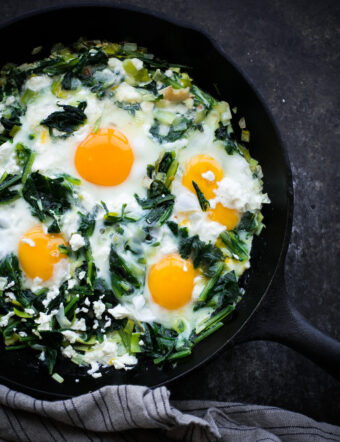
(131, 414)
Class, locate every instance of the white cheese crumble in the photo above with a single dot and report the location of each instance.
(240, 196)
(71, 283)
(138, 64)
(38, 82)
(3, 282)
(87, 302)
(81, 275)
(44, 320)
(98, 308)
(51, 294)
(4, 319)
(79, 324)
(70, 335)
(125, 92)
(208, 175)
(28, 241)
(76, 242)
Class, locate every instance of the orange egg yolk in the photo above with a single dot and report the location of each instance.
(171, 282)
(104, 158)
(225, 216)
(198, 165)
(39, 252)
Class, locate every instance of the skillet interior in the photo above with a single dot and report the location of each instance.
(20, 370)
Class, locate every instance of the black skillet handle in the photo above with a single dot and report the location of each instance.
(278, 320)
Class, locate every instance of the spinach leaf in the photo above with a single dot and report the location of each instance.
(251, 223)
(68, 120)
(204, 203)
(230, 144)
(123, 276)
(202, 97)
(111, 218)
(87, 223)
(204, 255)
(235, 245)
(7, 193)
(11, 122)
(176, 131)
(160, 201)
(48, 197)
(130, 107)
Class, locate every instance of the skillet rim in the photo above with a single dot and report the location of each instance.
(185, 24)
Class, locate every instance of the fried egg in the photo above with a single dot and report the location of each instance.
(113, 161)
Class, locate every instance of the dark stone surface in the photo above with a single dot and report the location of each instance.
(291, 52)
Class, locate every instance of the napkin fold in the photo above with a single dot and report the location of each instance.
(135, 413)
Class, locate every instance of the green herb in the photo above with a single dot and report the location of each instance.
(204, 203)
(111, 218)
(160, 201)
(176, 131)
(123, 276)
(87, 223)
(68, 120)
(130, 107)
(11, 122)
(235, 245)
(204, 255)
(8, 191)
(230, 144)
(251, 223)
(203, 97)
(48, 197)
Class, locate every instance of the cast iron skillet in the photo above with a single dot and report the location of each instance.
(278, 320)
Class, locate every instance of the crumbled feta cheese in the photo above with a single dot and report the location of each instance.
(9, 285)
(125, 92)
(81, 275)
(51, 294)
(108, 323)
(70, 335)
(38, 82)
(208, 175)
(94, 368)
(30, 311)
(22, 334)
(76, 380)
(10, 100)
(76, 242)
(28, 241)
(95, 324)
(44, 320)
(137, 63)
(87, 302)
(79, 324)
(68, 351)
(5, 318)
(3, 282)
(98, 308)
(84, 310)
(169, 73)
(71, 283)
(119, 312)
(240, 196)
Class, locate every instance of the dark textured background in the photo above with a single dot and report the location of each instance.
(291, 52)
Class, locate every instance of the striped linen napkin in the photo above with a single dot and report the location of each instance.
(134, 413)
